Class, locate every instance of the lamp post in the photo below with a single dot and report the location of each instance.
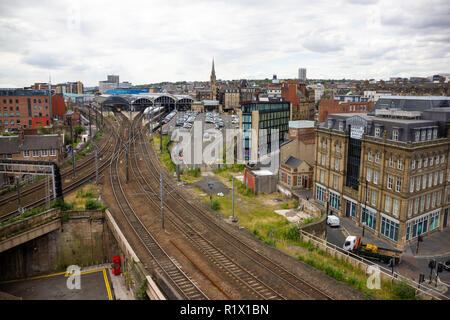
(365, 207)
(71, 141)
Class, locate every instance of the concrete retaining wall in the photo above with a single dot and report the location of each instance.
(135, 271)
(317, 228)
(83, 239)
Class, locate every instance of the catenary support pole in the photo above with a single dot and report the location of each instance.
(18, 195)
(162, 200)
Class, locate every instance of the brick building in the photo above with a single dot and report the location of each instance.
(229, 99)
(260, 180)
(330, 106)
(297, 155)
(303, 100)
(28, 108)
(30, 146)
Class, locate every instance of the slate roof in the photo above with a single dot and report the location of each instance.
(10, 144)
(292, 162)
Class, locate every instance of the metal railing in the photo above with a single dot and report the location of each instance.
(421, 289)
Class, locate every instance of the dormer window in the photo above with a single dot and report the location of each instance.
(429, 132)
(417, 138)
(435, 133)
(341, 125)
(377, 132)
(424, 134)
(395, 134)
(330, 123)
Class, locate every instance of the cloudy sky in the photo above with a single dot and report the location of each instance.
(153, 41)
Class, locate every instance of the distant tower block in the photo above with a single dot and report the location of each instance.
(302, 74)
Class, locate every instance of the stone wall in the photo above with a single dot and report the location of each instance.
(84, 239)
(317, 228)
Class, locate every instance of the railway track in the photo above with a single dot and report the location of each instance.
(73, 185)
(257, 288)
(64, 174)
(166, 266)
(190, 213)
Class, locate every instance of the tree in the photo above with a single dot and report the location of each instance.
(78, 130)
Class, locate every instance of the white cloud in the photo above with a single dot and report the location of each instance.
(155, 41)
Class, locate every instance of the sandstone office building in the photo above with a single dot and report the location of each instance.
(389, 168)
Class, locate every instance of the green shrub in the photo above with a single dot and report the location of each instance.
(335, 273)
(215, 205)
(403, 291)
(292, 233)
(92, 205)
(194, 172)
(285, 206)
(59, 203)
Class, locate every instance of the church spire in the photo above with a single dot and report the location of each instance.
(213, 72)
(213, 82)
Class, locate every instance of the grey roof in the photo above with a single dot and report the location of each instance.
(292, 162)
(10, 144)
(38, 142)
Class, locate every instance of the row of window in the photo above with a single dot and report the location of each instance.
(43, 153)
(425, 134)
(5, 101)
(391, 162)
(427, 162)
(420, 134)
(10, 108)
(11, 114)
(420, 225)
(422, 180)
(424, 202)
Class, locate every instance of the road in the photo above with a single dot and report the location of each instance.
(337, 237)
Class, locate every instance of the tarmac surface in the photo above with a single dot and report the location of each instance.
(94, 285)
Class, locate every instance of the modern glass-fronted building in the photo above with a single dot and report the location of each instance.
(266, 115)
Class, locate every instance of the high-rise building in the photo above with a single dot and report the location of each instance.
(113, 78)
(112, 83)
(302, 74)
(387, 169)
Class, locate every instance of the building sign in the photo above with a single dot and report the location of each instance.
(357, 125)
(356, 132)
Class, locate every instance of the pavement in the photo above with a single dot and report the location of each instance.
(94, 285)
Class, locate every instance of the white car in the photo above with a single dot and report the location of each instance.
(333, 221)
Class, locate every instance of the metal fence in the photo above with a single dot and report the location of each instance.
(363, 264)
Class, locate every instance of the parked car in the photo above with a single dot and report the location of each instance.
(447, 265)
(333, 221)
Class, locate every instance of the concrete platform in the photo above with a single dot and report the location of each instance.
(94, 285)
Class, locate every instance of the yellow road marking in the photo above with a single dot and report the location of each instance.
(108, 289)
(107, 284)
(33, 278)
(86, 272)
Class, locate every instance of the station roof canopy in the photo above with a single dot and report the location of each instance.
(116, 101)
